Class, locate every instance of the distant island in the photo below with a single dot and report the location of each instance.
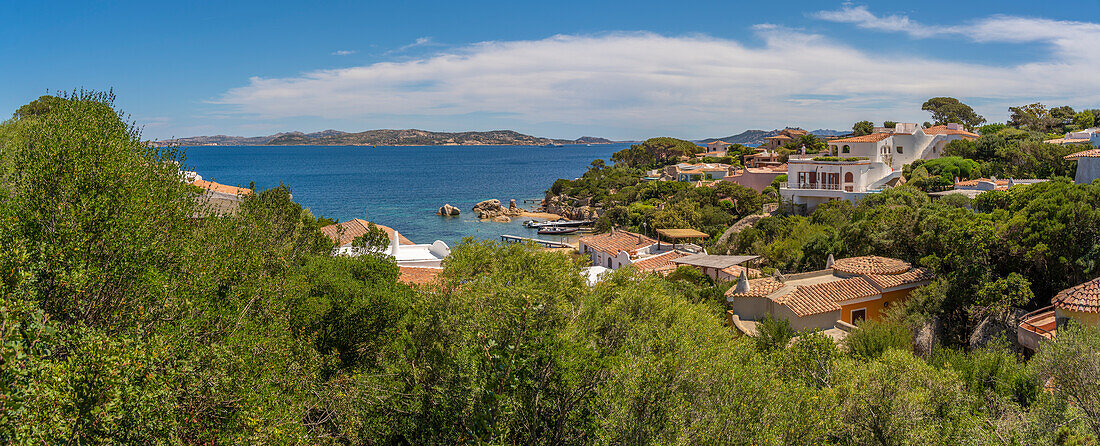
(756, 137)
(385, 137)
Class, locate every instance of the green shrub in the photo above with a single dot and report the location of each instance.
(872, 338)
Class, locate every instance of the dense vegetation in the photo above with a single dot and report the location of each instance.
(1015, 247)
(639, 205)
(123, 319)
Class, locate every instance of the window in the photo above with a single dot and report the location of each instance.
(900, 149)
(846, 149)
(859, 315)
(609, 262)
(885, 303)
(848, 178)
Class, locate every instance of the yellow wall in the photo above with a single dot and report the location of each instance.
(875, 307)
(1092, 319)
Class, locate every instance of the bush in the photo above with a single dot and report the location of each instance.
(773, 333)
(872, 338)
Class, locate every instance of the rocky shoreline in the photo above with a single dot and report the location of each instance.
(571, 208)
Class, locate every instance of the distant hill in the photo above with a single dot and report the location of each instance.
(756, 137)
(824, 132)
(385, 137)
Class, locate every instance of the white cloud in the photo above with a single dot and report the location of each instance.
(343, 52)
(420, 41)
(648, 84)
(863, 18)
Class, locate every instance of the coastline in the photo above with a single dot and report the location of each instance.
(160, 144)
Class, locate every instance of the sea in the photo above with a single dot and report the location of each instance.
(403, 187)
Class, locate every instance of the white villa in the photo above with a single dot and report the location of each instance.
(404, 251)
(698, 172)
(1087, 136)
(1088, 165)
(861, 165)
(616, 249)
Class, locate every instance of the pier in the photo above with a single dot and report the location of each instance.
(544, 243)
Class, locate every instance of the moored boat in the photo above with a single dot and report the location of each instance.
(557, 230)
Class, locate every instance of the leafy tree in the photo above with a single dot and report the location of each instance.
(374, 240)
(889, 124)
(863, 128)
(655, 152)
(990, 129)
(1037, 117)
(947, 110)
(1013, 290)
(1084, 119)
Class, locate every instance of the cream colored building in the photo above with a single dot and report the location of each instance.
(861, 165)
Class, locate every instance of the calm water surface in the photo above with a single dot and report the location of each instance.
(402, 187)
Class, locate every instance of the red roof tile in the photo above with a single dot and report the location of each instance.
(231, 190)
(871, 265)
(974, 182)
(355, 228)
(915, 275)
(874, 137)
(414, 275)
(735, 271)
(1084, 297)
(824, 297)
(757, 288)
(1091, 153)
(659, 262)
(943, 130)
(613, 242)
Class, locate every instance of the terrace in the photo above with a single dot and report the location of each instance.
(1036, 326)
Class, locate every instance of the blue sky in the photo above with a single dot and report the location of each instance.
(563, 69)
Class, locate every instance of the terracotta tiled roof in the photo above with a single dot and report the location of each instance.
(613, 242)
(355, 228)
(780, 136)
(824, 297)
(704, 166)
(418, 276)
(1068, 141)
(871, 265)
(758, 288)
(915, 275)
(943, 130)
(874, 137)
(974, 182)
(1084, 297)
(735, 271)
(231, 190)
(659, 263)
(1092, 153)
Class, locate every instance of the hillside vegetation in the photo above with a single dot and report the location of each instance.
(123, 320)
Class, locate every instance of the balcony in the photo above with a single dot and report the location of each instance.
(814, 186)
(1035, 327)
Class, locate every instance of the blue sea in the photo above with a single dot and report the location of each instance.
(402, 187)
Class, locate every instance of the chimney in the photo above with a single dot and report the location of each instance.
(742, 283)
(395, 244)
(829, 262)
(778, 276)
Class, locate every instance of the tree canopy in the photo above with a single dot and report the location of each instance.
(127, 318)
(946, 110)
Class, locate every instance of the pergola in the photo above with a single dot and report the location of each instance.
(713, 261)
(712, 265)
(678, 234)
